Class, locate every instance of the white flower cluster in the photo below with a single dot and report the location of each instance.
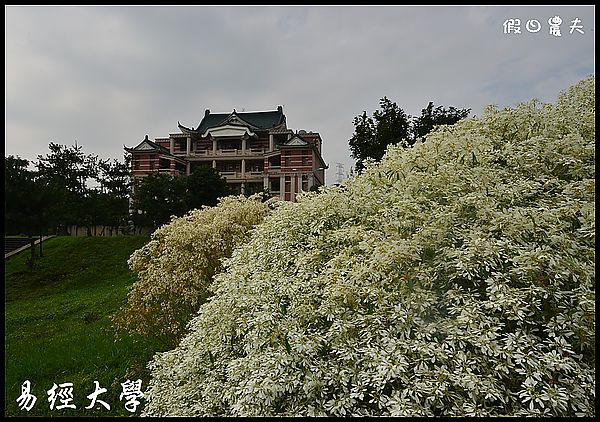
(175, 269)
(454, 278)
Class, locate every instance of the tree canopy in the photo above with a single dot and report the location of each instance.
(67, 187)
(160, 196)
(431, 117)
(25, 201)
(390, 125)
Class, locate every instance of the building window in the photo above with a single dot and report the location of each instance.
(304, 183)
(275, 185)
(305, 160)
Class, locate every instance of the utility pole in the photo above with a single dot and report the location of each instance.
(340, 172)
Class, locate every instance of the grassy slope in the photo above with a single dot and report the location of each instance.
(57, 328)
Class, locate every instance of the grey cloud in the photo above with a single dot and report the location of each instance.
(108, 75)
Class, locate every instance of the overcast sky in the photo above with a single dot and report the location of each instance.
(105, 76)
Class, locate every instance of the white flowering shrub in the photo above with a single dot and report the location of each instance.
(174, 270)
(455, 278)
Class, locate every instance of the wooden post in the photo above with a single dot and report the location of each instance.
(32, 243)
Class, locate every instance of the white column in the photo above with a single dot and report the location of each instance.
(271, 145)
(282, 187)
(292, 187)
(243, 145)
(214, 164)
(243, 168)
(187, 168)
(188, 146)
(171, 145)
(266, 183)
(214, 146)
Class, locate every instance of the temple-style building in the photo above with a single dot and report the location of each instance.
(254, 151)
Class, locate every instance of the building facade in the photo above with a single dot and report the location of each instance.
(253, 151)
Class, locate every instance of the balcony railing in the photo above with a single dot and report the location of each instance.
(274, 170)
(201, 153)
(240, 175)
(256, 151)
(228, 152)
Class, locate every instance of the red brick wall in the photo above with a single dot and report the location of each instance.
(299, 159)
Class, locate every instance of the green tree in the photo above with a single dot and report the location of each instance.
(160, 196)
(204, 186)
(114, 180)
(18, 187)
(27, 201)
(432, 117)
(17, 180)
(390, 125)
(68, 166)
(57, 192)
(114, 177)
(65, 172)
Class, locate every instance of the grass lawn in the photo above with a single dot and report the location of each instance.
(57, 327)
